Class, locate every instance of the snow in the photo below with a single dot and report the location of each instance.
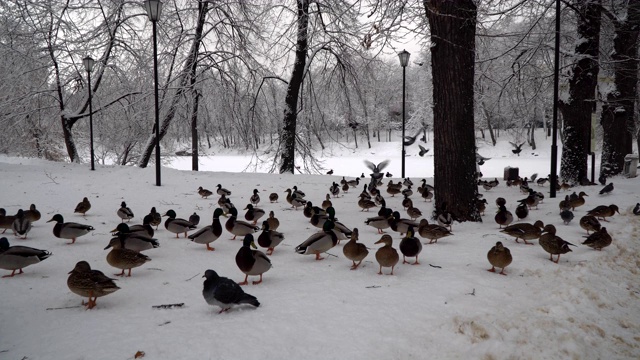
(585, 307)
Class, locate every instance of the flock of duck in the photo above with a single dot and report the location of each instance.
(129, 241)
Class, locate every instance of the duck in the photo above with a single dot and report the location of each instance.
(209, 233)
(251, 262)
(330, 172)
(319, 242)
(355, 251)
(177, 225)
(224, 292)
(387, 256)
(326, 202)
(226, 205)
(309, 210)
(83, 207)
(365, 192)
(273, 221)
(253, 213)
(410, 246)
(503, 217)
(524, 231)
(294, 200)
(366, 204)
(222, 191)
(566, 203)
(299, 193)
(426, 194)
(407, 192)
(143, 229)
(136, 241)
(341, 230)
(273, 197)
(522, 211)
(345, 188)
(552, 243)
(269, 239)
(636, 209)
(319, 217)
(392, 190)
(21, 225)
(255, 198)
(122, 258)
(124, 212)
(603, 211)
(500, 201)
(590, 223)
(69, 230)
(413, 212)
(354, 183)
(32, 214)
(335, 189)
(401, 225)
(599, 239)
(407, 202)
(432, 232)
(204, 193)
(499, 256)
(381, 221)
(6, 221)
(238, 227)
(156, 218)
(579, 201)
(18, 257)
(194, 218)
(90, 283)
(481, 204)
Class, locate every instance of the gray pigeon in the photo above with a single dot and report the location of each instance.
(607, 189)
(636, 210)
(224, 292)
(194, 219)
(567, 216)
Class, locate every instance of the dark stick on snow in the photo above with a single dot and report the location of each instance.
(435, 266)
(473, 292)
(65, 307)
(167, 306)
(192, 277)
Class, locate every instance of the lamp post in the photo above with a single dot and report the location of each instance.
(404, 61)
(88, 65)
(554, 144)
(154, 8)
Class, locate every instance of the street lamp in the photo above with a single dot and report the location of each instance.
(404, 61)
(88, 65)
(154, 9)
(554, 143)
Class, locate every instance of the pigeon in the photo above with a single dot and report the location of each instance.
(194, 219)
(607, 189)
(602, 179)
(636, 210)
(422, 150)
(409, 140)
(224, 292)
(567, 216)
(518, 148)
(481, 159)
(376, 169)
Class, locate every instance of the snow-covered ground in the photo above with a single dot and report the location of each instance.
(449, 307)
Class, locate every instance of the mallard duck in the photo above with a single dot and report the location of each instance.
(432, 232)
(327, 202)
(273, 197)
(222, 191)
(319, 242)
(354, 183)
(225, 293)
(298, 193)
(238, 227)
(341, 230)
(365, 193)
(607, 189)
(177, 225)
(21, 225)
(604, 211)
(122, 258)
(335, 189)
(407, 192)
(392, 190)
(309, 210)
(144, 229)
(387, 256)
(590, 223)
(481, 204)
(401, 225)
(204, 192)
(274, 223)
(18, 257)
(255, 198)
(90, 283)
(501, 202)
(83, 207)
(269, 239)
(566, 216)
(210, 233)
(365, 204)
(318, 218)
(381, 221)
(251, 262)
(636, 209)
(345, 188)
(410, 246)
(553, 244)
(407, 202)
(499, 256)
(6, 221)
(579, 201)
(253, 213)
(330, 172)
(524, 231)
(294, 200)
(522, 211)
(355, 251)
(136, 241)
(156, 218)
(226, 206)
(427, 194)
(599, 239)
(530, 201)
(194, 218)
(503, 217)
(413, 212)
(69, 230)
(32, 214)
(124, 212)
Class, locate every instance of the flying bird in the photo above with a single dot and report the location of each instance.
(518, 148)
(409, 140)
(376, 169)
(422, 150)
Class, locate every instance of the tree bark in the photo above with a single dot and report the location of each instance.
(576, 111)
(617, 111)
(453, 30)
(288, 139)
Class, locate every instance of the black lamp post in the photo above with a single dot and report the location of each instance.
(88, 65)
(554, 144)
(154, 8)
(404, 61)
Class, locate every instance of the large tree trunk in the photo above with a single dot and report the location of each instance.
(453, 30)
(576, 111)
(617, 112)
(288, 138)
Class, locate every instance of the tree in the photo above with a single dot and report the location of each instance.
(453, 29)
